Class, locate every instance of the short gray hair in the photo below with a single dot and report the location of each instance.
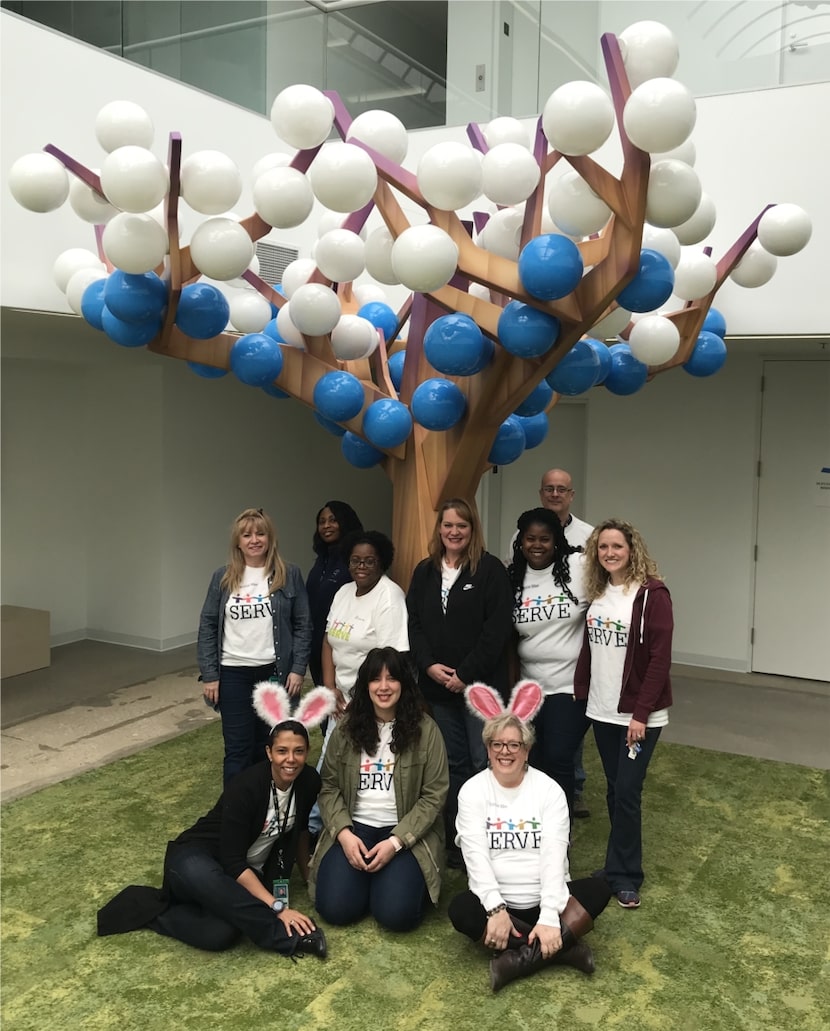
(493, 727)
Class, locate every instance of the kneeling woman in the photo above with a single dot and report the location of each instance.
(513, 829)
(385, 781)
(228, 874)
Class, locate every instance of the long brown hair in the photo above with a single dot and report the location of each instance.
(641, 566)
(475, 549)
(274, 569)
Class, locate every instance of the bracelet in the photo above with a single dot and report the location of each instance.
(496, 909)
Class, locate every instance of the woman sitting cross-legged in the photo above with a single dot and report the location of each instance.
(228, 874)
(513, 829)
(385, 781)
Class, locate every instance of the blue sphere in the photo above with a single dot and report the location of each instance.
(627, 375)
(387, 423)
(604, 356)
(271, 331)
(273, 391)
(536, 401)
(526, 331)
(550, 266)
(652, 285)
(279, 289)
(715, 323)
(536, 428)
(438, 404)
(329, 426)
(708, 355)
(92, 303)
(381, 316)
(203, 311)
(338, 396)
(510, 442)
(395, 367)
(206, 371)
(577, 371)
(358, 452)
(256, 359)
(129, 334)
(455, 345)
(135, 298)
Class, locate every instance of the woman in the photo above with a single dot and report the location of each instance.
(459, 604)
(228, 874)
(335, 520)
(549, 616)
(623, 671)
(513, 828)
(385, 781)
(255, 625)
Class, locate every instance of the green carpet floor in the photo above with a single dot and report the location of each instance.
(733, 932)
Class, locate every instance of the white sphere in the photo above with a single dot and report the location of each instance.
(134, 179)
(381, 131)
(612, 324)
(274, 160)
(211, 182)
(654, 340)
(575, 208)
(282, 197)
(134, 243)
(509, 174)
(756, 267)
(425, 258)
(340, 255)
(343, 177)
(315, 309)
(694, 276)
(378, 255)
(449, 175)
(502, 233)
(578, 118)
(221, 248)
(287, 330)
(242, 284)
(784, 229)
(649, 51)
(88, 204)
(700, 225)
(122, 123)
(71, 261)
(296, 274)
(354, 338)
(686, 152)
(39, 182)
(78, 282)
(250, 312)
(367, 292)
(663, 241)
(659, 115)
(302, 116)
(674, 193)
(505, 130)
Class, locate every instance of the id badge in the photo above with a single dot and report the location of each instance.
(281, 891)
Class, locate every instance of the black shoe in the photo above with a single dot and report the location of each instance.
(580, 809)
(313, 944)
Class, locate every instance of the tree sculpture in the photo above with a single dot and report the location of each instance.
(500, 306)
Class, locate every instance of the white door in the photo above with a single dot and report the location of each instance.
(792, 573)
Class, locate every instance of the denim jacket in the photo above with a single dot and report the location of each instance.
(292, 627)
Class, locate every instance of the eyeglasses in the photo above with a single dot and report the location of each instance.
(557, 490)
(506, 746)
(367, 563)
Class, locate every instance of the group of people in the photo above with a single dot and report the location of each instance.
(409, 781)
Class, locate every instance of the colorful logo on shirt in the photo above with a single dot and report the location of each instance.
(248, 605)
(608, 632)
(340, 629)
(541, 608)
(506, 833)
(376, 774)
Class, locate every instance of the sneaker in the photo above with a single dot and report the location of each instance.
(628, 899)
(580, 809)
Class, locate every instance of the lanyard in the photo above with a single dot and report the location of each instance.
(277, 814)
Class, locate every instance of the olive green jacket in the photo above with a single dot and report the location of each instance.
(421, 780)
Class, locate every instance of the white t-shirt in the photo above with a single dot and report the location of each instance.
(577, 531)
(277, 821)
(375, 802)
(355, 625)
(550, 627)
(248, 630)
(609, 624)
(449, 574)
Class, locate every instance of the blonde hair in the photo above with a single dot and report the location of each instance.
(641, 566)
(253, 519)
(474, 550)
(507, 721)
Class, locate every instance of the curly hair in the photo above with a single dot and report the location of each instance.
(347, 519)
(641, 566)
(254, 519)
(561, 550)
(360, 723)
(374, 538)
(508, 721)
(475, 549)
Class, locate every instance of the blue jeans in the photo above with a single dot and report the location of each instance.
(244, 732)
(625, 778)
(209, 910)
(395, 895)
(560, 727)
(466, 754)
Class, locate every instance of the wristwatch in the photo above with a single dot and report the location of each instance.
(278, 905)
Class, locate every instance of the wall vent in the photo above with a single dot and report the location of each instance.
(273, 260)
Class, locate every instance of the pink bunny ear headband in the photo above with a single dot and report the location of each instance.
(525, 701)
(273, 706)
